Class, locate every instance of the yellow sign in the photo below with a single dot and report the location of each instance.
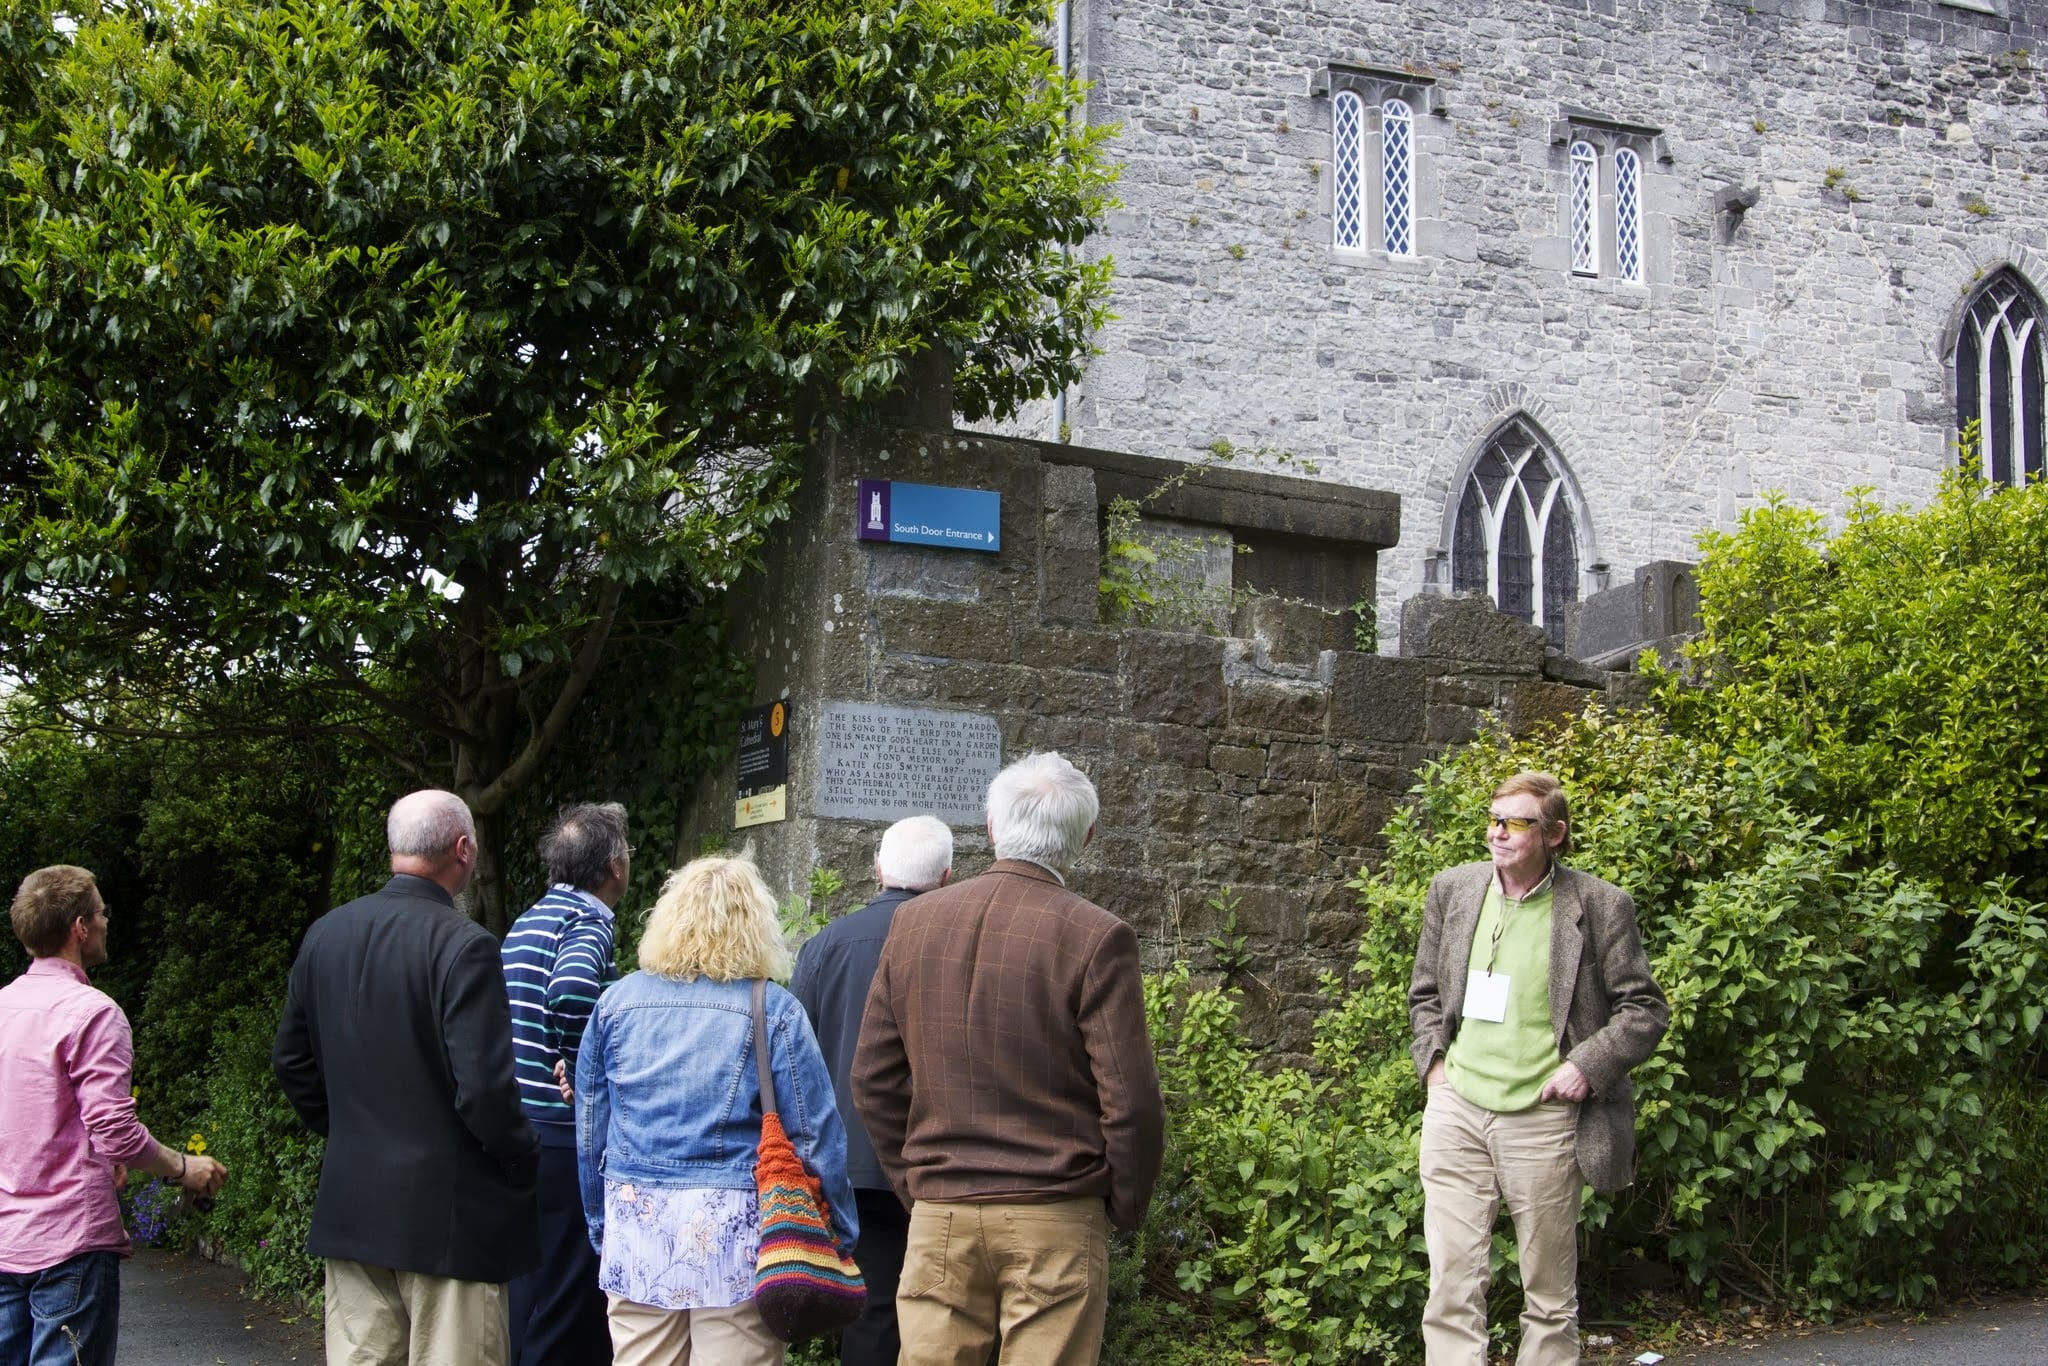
(763, 808)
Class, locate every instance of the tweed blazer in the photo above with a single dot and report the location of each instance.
(1607, 1010)
(1003, 1054)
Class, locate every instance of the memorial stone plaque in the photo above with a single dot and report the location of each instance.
(878, 763)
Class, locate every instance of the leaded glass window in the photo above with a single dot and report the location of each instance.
(1585, 209)
(1513, 537)
(1397, 177)
(1628, 215)
(1347, 157)
(1999, 361)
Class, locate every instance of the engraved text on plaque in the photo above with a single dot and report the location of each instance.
(878, 763)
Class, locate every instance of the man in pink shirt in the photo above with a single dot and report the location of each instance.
(67, 1127)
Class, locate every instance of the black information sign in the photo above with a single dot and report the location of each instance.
(763, 765)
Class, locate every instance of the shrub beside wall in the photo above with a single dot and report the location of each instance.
(1843, 1113)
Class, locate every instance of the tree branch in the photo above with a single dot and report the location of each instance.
(517, 773)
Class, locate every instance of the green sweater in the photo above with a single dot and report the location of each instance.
(1501, 1066)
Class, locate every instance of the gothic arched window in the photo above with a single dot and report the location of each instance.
(1999, 361)
(1513, 538)
(1347, 158)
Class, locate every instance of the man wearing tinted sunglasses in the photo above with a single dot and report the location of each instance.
(1532, 1000)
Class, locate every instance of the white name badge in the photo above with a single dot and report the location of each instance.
(1486, 996)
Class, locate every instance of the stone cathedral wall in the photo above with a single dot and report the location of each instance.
(1266, 762)
(1891, 155)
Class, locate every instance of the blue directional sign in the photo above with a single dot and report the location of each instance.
(930, 514)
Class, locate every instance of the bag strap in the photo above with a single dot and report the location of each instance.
(762, 1071)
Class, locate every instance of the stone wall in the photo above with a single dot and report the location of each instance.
(1267, 763)
(1891, 155)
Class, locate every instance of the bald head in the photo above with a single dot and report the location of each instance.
(431, 835)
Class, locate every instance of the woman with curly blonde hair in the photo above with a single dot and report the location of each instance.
(668, 1116)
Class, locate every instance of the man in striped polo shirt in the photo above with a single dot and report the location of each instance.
(558, 958)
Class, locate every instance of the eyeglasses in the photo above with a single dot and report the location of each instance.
(1514, 825)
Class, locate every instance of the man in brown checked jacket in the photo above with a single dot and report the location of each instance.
(1007, 1081)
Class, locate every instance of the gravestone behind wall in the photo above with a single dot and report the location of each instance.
(1265, 764)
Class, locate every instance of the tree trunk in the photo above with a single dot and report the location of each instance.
(487, 887)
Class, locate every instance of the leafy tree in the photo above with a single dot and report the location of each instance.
(1903, 657)
(378, 349)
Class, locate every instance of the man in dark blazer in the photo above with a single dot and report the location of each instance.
(833, 974)
(1531, 1002)
(396, 1045)
(1007, 1082)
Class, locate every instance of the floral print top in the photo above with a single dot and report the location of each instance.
(691, 1247)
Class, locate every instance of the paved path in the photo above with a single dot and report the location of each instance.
(2007, 1333)
(183, 1311)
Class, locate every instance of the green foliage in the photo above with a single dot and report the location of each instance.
(1902, 656)
(1365, 625)
(804, 913)
(1292, 1206)
(382, 350)
(264, 1212)
(1154, 577)
(1845, 1111)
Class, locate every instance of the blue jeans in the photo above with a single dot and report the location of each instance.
(67, 1315)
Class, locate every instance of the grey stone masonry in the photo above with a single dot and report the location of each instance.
(1824, 183)
(1265, 763)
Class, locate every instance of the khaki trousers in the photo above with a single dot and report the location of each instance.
(1038, 1275)
(1473, 1160)
(645, 1336)
(380, 1317)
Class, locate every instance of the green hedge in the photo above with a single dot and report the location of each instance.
(1843, 1112)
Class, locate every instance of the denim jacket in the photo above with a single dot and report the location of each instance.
(666, 1093)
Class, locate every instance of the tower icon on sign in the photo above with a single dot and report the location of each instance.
(874, 512)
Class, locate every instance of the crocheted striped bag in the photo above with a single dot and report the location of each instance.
(803, 1286)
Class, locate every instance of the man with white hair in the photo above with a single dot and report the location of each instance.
(396, 1044)
(833, 974)
(1007, 1082)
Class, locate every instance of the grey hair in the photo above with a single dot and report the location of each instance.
(1041, 808)
(915, 853)
(426, 824)
(583, 843)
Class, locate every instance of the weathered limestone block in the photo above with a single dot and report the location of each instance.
(1351, 815)
(1174, 677)
(1070, 562)
(1163, 743)
(1272, 705)
(1454, 725)
(1068, 692)
(1277, 913)
(990, 687)
(1526, 706)
(1466, 629)
(1379, 698)
(1210, 814)
(947, 630)
(1238, 865)
(1054, 647)
(1291, 632)
(1242, 760)
(1278, 816)
(1294, 761)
